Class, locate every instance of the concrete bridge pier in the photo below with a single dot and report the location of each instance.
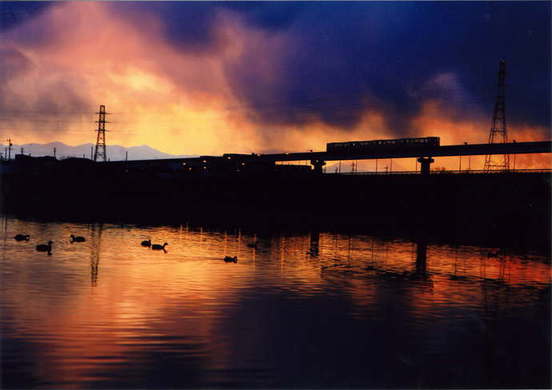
(425, 164)
(317, 165)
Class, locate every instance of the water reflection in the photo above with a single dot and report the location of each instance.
(319, 309)
(421, 259)
(314, 243)
(95, 247)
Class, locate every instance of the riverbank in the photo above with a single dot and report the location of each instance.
(503, 210)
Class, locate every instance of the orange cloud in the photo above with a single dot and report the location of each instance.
(175, 101)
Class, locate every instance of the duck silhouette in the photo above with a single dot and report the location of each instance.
(45, 247)
(77, 238)
(22, 237)
(146, 243)
(229, 259)
(158, 247)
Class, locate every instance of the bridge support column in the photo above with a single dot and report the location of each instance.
(425, 163)
(317, 165)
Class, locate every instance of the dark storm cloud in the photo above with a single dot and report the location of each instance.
(188, 26)
(344, 59)
(13, 13)
(191, 25)
(351, 57)
(268, 15)
(355, 56)
(329, 72)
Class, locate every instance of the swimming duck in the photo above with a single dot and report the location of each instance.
(77, 238)
(229, 259)
(22, 237)
(45, 247)
(146, 243)
(158, 247)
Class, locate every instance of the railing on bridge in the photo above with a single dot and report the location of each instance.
(444, 172)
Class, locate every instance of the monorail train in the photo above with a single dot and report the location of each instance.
(399, 144)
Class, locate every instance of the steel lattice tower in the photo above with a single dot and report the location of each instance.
(100, 151)
(498, 132)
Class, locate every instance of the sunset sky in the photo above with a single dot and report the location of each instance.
(211, 78)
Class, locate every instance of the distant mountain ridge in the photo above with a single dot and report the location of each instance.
(114, 152)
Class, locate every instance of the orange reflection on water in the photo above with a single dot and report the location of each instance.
(97, 307)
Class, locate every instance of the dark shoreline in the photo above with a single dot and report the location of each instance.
(269, 222)
(506, 210)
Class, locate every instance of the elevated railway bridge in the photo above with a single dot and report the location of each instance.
(423, 153)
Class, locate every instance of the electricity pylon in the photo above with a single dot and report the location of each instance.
(499, 132)
(100, 151)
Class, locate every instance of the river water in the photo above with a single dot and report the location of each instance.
(307, 310)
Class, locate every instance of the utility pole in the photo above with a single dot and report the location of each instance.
(499, 132)
(54, 152)
(100, 151)
(9, 148)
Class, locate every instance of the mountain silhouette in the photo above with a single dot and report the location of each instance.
(114, 152)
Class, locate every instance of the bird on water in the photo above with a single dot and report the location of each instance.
(146, 243)
(158, 247)
(229, 259)
(22, 237)
(45, 247)
(77, 238)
